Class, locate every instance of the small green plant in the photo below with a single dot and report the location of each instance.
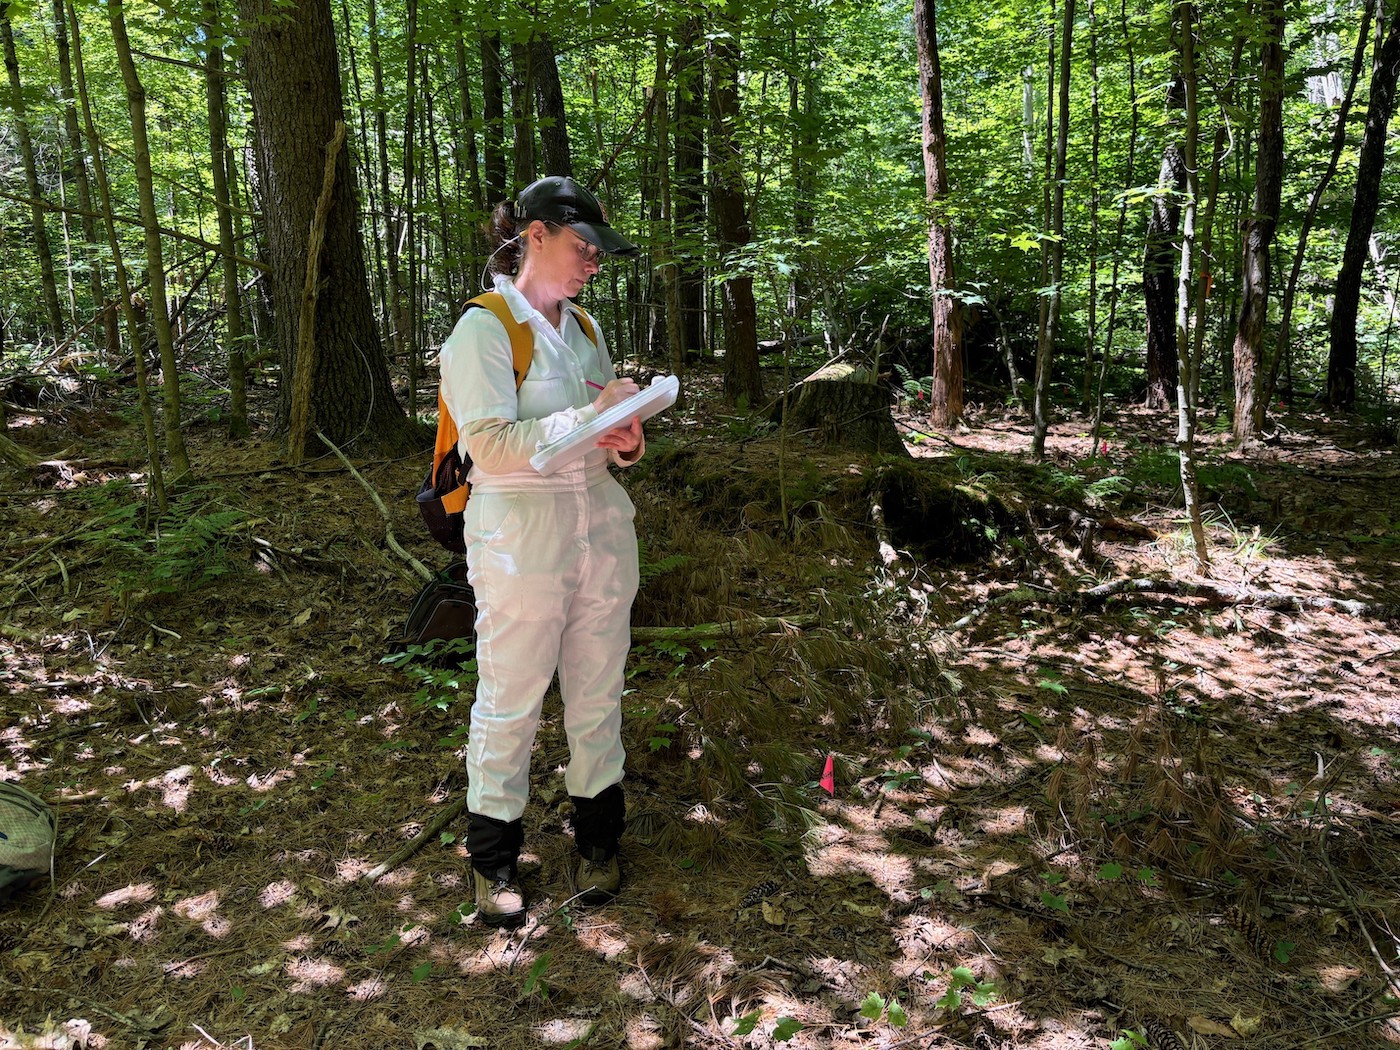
(982, 993)
(874, 1007)
(1053, 901)
(1129, 1040)
(786, 1028)
(439, 687)
(662, 736)
(1283, 951)
(746, 1024)
(534, 980)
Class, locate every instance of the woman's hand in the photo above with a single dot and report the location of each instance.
(617, 391)
(623, 440)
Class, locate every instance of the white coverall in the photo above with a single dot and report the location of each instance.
(553, 560)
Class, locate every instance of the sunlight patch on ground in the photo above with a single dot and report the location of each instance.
(309, 974)
(891, 873)
(351, 868)
(601, 939)
(143, 927)
(275, 894)
(364, 991)
(561, 1031)
(137, 893)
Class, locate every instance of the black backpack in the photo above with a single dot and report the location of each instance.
(444, 609)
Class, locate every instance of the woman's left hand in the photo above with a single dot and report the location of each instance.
(625, 439)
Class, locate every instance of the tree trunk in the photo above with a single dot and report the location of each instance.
(468, 155)
(1341, 359)
(57, 327)
(1258, 232)
(155, 262)
(845, 407)
(946, 401)
(1186, 387)
(294, 83)
(1045, 351)
(408, 344)
(1339, 139)
(143, 394)
(218, 162)
(522, 114)
(741, 376)
(73, 136)
(689, 225)
(1159, 265)
(392, 298)
(493, 115)
(549, 98)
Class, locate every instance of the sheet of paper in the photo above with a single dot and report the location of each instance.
(658, 397)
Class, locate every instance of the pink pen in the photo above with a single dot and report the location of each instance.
(594, 385)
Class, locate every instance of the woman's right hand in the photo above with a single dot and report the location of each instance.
(617, 391)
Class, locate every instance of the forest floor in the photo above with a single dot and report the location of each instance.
(1050, 826)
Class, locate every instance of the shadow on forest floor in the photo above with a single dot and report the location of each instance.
(1054, 824)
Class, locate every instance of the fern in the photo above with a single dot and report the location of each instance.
(650, 570)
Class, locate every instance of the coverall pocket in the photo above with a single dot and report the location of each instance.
(487, 514)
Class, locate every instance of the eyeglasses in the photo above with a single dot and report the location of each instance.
(588, 254)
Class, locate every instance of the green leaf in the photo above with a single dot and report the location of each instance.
(1283, 951)
(951, 1000)
(1054, 901)
(1129, 1040)
(786, 1028)
(1110, 871)
(746, 1024)
(873, 1006)
(421, 971)
(985, 993)
(534, 979)
(898, 1017)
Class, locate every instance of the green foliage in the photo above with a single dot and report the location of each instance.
(963, 981)
(1129, 1040)
(875, 1007)
(786, 1028)
(186, 549)
(534, 980)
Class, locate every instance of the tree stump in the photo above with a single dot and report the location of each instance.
(844, 406)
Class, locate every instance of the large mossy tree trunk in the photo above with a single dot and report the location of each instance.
(840, 405)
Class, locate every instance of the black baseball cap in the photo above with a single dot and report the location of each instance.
(560, 200)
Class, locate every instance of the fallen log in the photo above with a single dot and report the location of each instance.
(714, 632)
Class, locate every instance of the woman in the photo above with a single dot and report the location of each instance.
(553, 560)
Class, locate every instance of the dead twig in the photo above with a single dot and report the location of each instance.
(418, 841)
(417, 566)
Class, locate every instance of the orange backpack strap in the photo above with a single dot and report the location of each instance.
(586, 324)
(522, 349)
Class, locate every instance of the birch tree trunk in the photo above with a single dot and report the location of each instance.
(1159, 286)
(1186, 387)
(946, 399)
(155, 261)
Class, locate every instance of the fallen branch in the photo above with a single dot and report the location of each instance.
(418, 841)
(714, 632)
(389, 537)
(1215, 594)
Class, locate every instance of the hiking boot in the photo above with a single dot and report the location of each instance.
(597, 881)
(499, 901)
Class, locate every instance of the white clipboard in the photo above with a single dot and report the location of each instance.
(658, 397)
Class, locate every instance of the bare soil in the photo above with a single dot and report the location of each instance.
(1056, 823)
